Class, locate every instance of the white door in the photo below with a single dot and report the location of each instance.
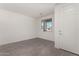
(65, 36)
(58, 27)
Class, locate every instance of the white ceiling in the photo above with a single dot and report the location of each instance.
(30, 9)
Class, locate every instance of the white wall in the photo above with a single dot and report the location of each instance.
(67, 20)
(15, 27)
(77, 27)
(45, 35)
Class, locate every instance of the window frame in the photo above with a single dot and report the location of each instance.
(44, 25)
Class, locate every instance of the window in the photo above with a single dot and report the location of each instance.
(46, 25)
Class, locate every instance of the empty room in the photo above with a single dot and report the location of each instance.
(39, 29)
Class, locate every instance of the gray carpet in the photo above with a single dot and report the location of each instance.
(32, 47)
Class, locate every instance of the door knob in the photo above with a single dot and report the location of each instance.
(60, 32)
